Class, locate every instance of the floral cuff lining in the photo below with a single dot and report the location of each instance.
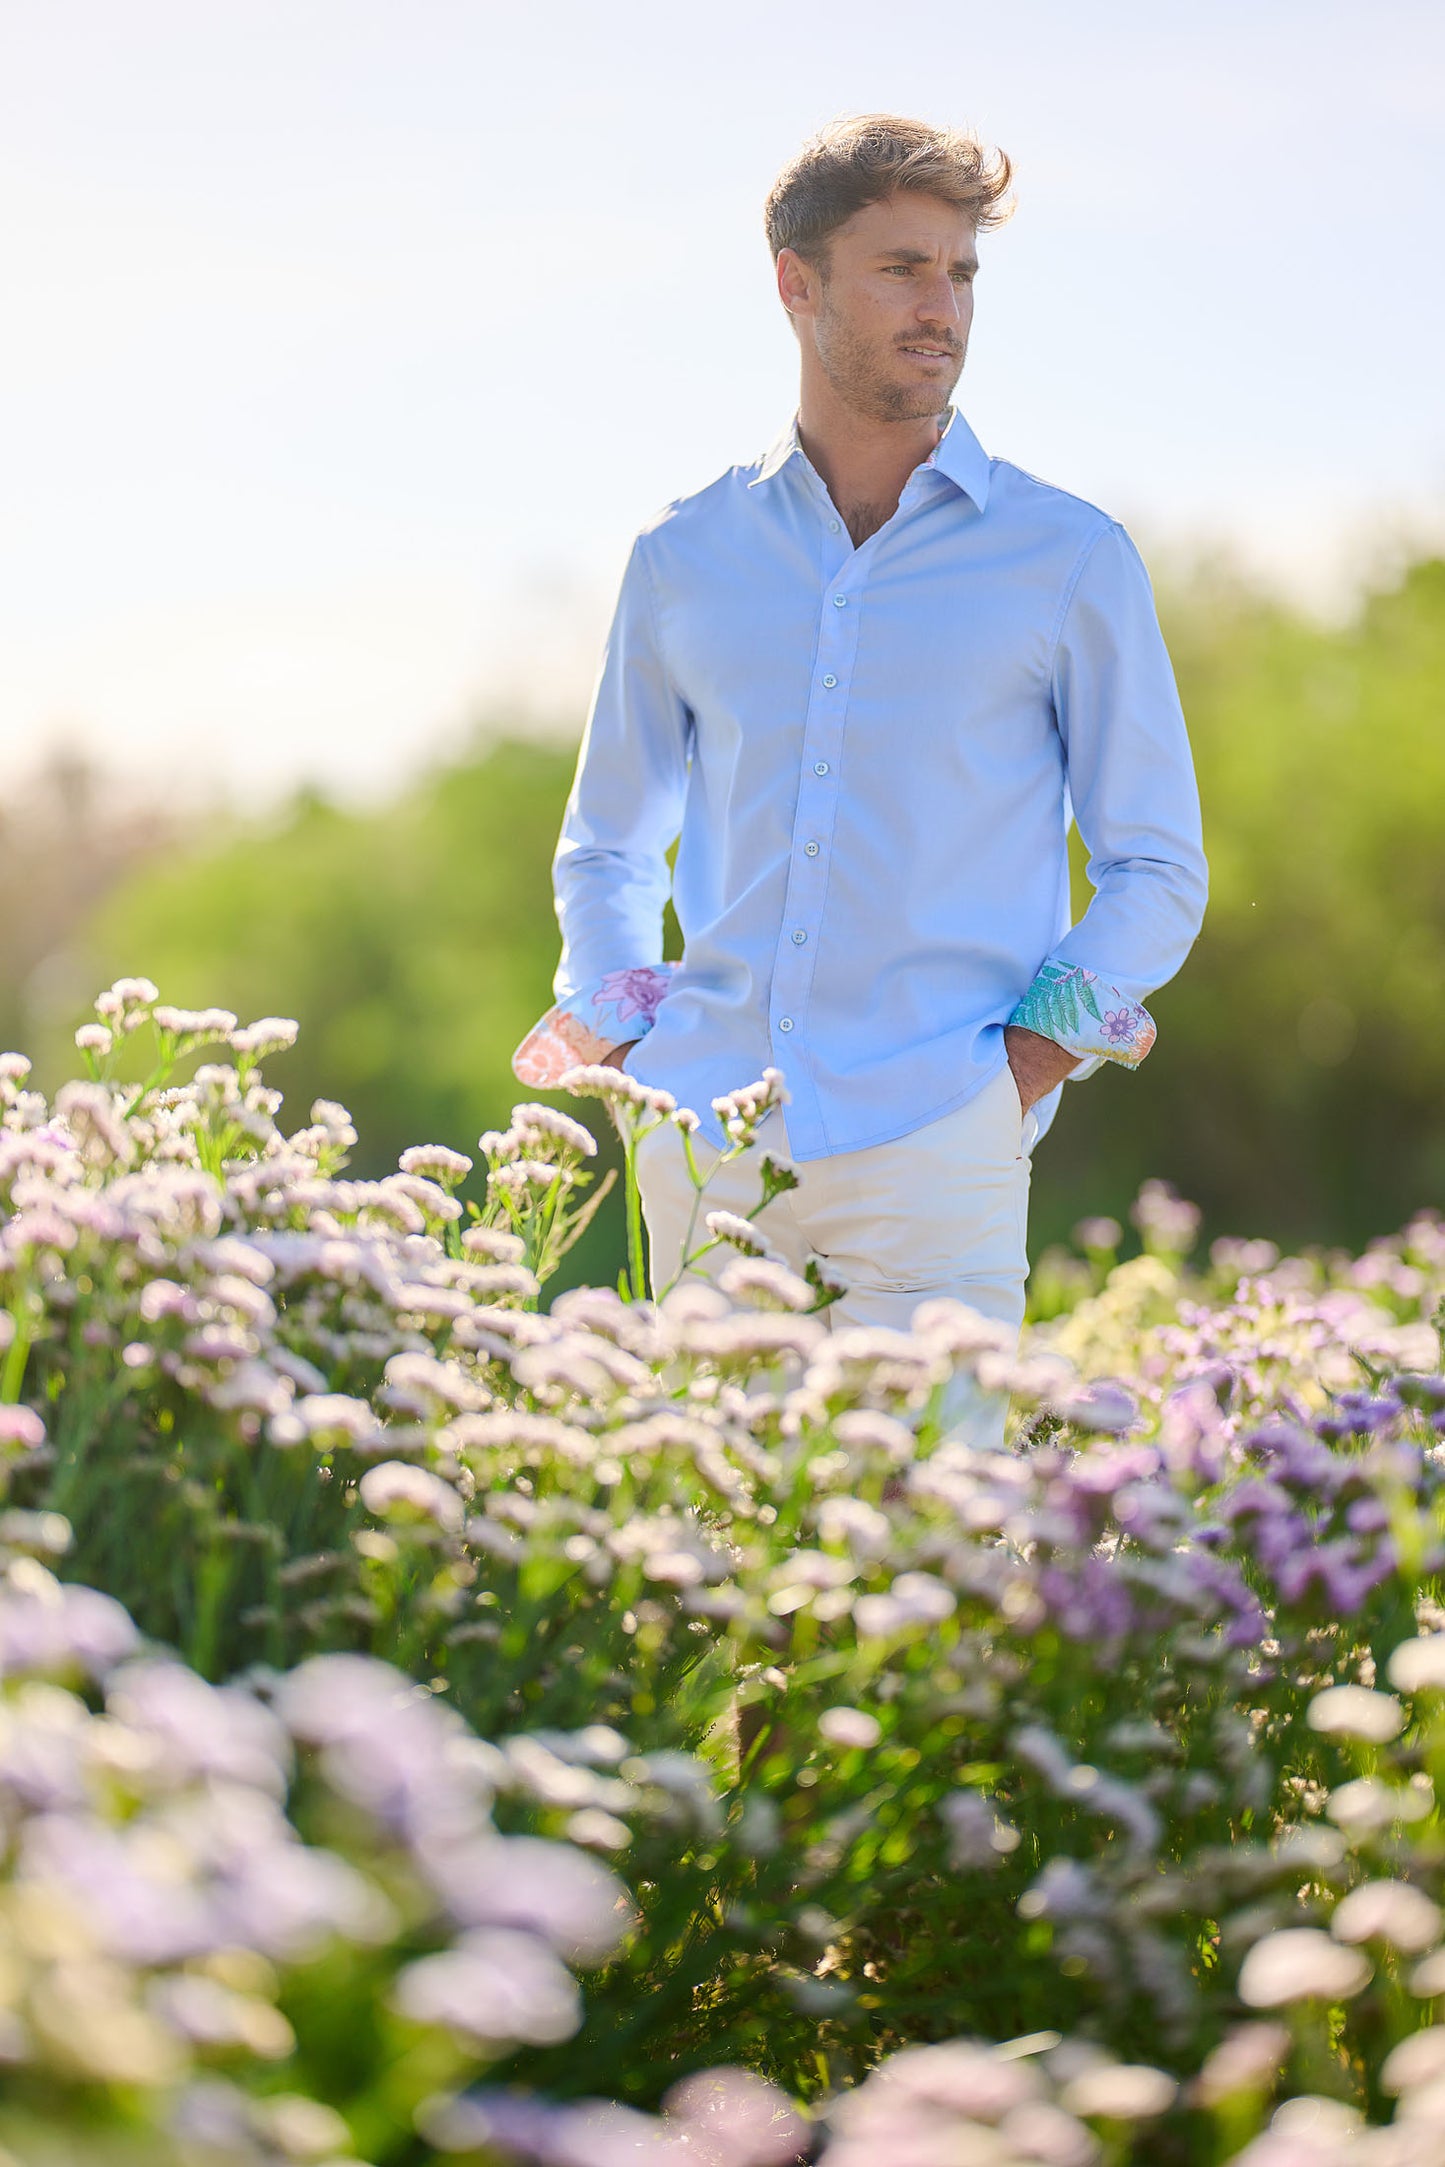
(598, 1017)
(1084, 1014)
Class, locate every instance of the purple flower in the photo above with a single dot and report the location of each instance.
(1297, 1459)
(1336, 1572)
(1191, 1431)
(1220, 1584)
(1358, 1414)
(1103, 1406)
(1107, 1468)
(1119, 1026)
(1090, 1604)
(1256, 1500)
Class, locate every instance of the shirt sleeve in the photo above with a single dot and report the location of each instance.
(610, 874)
(1136, 804)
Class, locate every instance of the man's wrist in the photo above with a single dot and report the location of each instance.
(616, 1055)
(1038, 1063)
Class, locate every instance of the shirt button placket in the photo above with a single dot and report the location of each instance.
(813, 827)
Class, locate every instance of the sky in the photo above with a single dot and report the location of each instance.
(348, 342)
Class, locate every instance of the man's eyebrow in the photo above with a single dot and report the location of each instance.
(922, 255)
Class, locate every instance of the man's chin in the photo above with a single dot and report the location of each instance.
(915, 402)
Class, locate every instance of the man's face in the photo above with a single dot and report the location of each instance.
(890, 314)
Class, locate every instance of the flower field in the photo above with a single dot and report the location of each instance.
(438, 1728)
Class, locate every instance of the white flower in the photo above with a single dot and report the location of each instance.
(545, 1122)
(766, 1281)
(1119, 2092)
(978, 1835)
(1394, 1912)
(522, 1174)
(490, 1241)
(272, 1034)
(330, 1124)
(328, 1414)
(90, 1114)
(1419, 1665)
(126, 1001)
(95, 1038)
(437, 1162)
(1300, 1964)
(865, 1429)
(1420, 2059)
(1248, 2059)
(913, 1599)
(1355, 1711)
(593, 1080)
(495, 1985)
(727, 1226)
(21, 1426)
(850, 1727)
(1313, 2128)
(920, 2091)
(1367, 1804)
(194, 1022)
(396, 1486)
(429, 1196)
(740, 1111)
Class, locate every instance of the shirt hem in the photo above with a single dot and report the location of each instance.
(890, 1135)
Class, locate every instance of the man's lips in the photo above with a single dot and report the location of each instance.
(930, 353)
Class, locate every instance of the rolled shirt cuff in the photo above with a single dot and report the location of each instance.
(621, 1005)
(1086, 1015)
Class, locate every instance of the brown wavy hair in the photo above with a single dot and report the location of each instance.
(852, 163)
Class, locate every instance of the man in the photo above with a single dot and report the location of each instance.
(864, 681)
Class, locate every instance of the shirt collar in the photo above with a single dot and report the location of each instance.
(778, 453)
(958, 455)
(963, 459)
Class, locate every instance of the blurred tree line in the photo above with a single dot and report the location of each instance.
(1295, 1090)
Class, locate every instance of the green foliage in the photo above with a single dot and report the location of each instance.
(1295, 1083)
(1294, 1088)
(417, 944)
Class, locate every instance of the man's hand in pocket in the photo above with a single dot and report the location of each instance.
(1038, 1063)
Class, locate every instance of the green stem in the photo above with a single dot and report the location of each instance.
(637, 1281)
(17, 1354)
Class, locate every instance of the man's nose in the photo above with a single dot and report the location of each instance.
(939, 300)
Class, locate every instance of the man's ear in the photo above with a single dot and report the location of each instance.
(797, 283)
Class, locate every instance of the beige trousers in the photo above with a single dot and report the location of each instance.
(941, 1212)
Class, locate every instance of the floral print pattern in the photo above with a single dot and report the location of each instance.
(1084, 1014)
(621, 1005)
(636, 992)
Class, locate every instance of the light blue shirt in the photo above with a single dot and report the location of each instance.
(869, 759)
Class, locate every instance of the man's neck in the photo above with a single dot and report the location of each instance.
(863, 463)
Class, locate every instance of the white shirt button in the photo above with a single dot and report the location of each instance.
(820, 767)
(799, 936)
(840, 601)
(830, 680)
(810, 850)
(832, 526)
(785, 1023)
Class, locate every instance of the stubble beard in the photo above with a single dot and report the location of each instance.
(859, 371)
